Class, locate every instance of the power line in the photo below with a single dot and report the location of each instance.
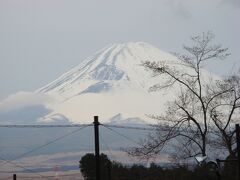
(43, 126)
(153, 128)
(44, 145)
(109, 150)
(129, 139)
(108, 126)
(129, 127)
(124, 136)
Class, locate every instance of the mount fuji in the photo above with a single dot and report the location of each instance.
(112, 83)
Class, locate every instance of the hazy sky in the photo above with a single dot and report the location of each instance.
(41, 39)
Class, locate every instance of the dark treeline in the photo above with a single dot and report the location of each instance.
(117, 171)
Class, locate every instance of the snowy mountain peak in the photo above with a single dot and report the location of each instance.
(112, 84)
(130, 46)
(116, 66)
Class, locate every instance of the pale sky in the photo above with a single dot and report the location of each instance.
(41, 39)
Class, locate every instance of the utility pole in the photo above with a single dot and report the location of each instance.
(14, 177)
(238, 148)
(109, 171)
(96, 132)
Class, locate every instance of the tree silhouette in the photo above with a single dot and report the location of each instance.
(187, 119)
(87, 166)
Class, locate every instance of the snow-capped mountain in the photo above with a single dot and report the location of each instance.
(114, 67)
(112, 82)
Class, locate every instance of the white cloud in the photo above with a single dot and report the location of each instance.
(25, 108)
(24, 99)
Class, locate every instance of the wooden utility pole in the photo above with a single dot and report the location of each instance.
(238, 148)
(14, 177)
(109, 171)
(96, 132)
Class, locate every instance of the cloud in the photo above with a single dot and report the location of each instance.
(24, 115)
(23, 99)
(25, 108)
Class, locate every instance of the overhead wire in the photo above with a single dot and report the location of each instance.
(61, 137)
(82, 126)
(151, 128)
(124, 136)
(105, 144)
(42, 126)
(46, 144)
(130, 127)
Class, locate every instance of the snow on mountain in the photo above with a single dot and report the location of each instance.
(112, 82)
(118, 63)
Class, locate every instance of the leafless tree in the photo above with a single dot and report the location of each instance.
(224, 112)
(187, 119)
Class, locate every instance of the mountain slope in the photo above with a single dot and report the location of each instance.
(118, 63)
(112, 82)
